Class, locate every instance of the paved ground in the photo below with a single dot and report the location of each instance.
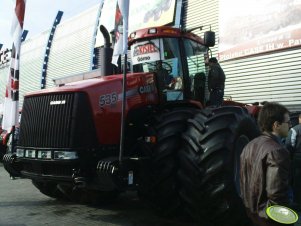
(23, 205)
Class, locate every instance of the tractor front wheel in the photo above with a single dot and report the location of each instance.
(157, 178)
(209, 165)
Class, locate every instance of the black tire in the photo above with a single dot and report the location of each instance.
(49, 189)
(2, 151)
(157, 177)
(209, 165)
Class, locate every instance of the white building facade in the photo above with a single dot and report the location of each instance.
(261, 63)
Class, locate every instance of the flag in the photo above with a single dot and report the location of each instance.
(11, 100)
(121, 19)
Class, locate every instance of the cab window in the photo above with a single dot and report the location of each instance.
(195, 55)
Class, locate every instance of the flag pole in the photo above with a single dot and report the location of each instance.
(12, 177)
(121, 48)
(122, 131)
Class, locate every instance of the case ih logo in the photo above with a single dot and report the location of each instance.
(146, 89)
(57, 102)
(145, 49)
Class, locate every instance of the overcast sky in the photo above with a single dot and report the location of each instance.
(39, 15)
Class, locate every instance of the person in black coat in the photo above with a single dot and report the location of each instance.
(293, 144)
(216, 82)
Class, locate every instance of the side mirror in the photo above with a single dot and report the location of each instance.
(209, 38)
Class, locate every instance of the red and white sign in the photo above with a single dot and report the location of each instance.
(11, 100)
(143, 52)
(121, 19)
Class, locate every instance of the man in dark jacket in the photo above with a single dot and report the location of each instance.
(216, 82)
(265, 166)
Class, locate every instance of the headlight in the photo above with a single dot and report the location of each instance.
(44, 154)
(65, 155)
(20, 153)
(30, 153)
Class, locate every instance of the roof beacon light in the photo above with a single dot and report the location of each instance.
(169, 31)
(152, 30)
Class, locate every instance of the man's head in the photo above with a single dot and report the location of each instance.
(213, 60)
(274, 118)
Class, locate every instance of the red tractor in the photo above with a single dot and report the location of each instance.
(6, 139)
(3, 143)
(177, 153)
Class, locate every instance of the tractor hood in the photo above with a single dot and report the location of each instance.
(94, 83)
(97, 101)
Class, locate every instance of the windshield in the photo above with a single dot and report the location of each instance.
(163, 57)
(149, 55)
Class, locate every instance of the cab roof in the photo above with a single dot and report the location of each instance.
(164, 31)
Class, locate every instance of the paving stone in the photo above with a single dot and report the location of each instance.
(21, 204)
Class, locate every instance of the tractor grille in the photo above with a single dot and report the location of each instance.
(57, 121)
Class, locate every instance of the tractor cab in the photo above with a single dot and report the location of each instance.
(176, 57)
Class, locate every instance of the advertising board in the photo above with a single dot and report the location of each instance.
(257, 26)
(142, 14)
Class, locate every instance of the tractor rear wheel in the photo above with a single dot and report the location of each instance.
(157, 177)
(209, 165)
